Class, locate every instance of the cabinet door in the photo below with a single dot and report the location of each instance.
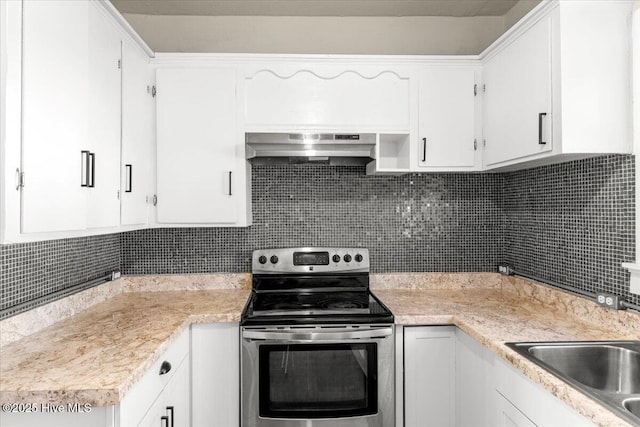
(153, 417)
(54, 114)
(474, 383)
(103, 204)
(215, 354)
(517, 98)
(334, 98)
(429, 381)
(136, 135)
(510, 416)
(177, 402)
(447, 118)
(196, 146)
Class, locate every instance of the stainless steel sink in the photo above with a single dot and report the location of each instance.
(607, 371)
(633, 406)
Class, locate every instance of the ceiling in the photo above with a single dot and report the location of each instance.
(457, 8)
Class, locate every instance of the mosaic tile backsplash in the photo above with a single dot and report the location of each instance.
(32, 270)
(572, 223)
(414, 222)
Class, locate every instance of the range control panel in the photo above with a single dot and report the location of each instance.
(310, 260)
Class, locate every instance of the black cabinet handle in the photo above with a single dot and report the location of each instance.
(164, 421)
(165, 367)
(88, 169)
(424, 149)
(540, 117)
(170, 412)
(230, 184)
(84, 168)
(128, 186)
(92, 168)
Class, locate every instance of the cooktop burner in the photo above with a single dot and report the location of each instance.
(317, 301)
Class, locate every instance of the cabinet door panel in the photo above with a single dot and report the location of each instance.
(429, 358)
(342, 98)
(196, 145)
(447, 118)
(510, 416)
(177, 396)
(136, 135)
(103, 204)
(474, 383)
(153, 416)
(54, 108)
(518, 90)
(215, 354)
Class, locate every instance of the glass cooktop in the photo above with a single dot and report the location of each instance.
(319, 302)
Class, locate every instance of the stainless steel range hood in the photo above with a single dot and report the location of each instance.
(343, 149)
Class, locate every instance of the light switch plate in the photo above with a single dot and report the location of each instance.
(634, 281)
(635, 284)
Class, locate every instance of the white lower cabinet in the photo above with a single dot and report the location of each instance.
(450, 379)
(97, 417)
(215, 357)
(474, 383)
(166, 384)
(172, 408)
(537, 405)
(509, 415)
(429, 376)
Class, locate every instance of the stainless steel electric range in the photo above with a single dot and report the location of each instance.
(317, 345)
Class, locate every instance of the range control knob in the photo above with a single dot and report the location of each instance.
(262, 259)
(347, 258)
(274, 259)
(336, 258)
(358, 258)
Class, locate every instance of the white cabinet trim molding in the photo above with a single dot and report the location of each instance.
(125, 26)
(524, 25)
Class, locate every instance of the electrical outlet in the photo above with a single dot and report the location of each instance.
(609, 301)
(505, 269)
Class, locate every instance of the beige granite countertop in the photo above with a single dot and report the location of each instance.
(96, 355)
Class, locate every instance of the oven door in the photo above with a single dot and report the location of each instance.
(318, 376)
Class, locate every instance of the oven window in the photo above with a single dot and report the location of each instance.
(318, 380)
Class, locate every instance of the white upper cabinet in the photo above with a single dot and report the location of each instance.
(558, 85)
(71, 118)
(76, 130)
(518, 109)
(55, 115)
(333, 98)
(136, 136)
(447, 118)
(61, 136)
(201, 171)
(103, 142)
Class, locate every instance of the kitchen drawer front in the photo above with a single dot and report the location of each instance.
(528, 397)
(141, 397)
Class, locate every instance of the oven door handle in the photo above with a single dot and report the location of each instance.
(317, 335)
